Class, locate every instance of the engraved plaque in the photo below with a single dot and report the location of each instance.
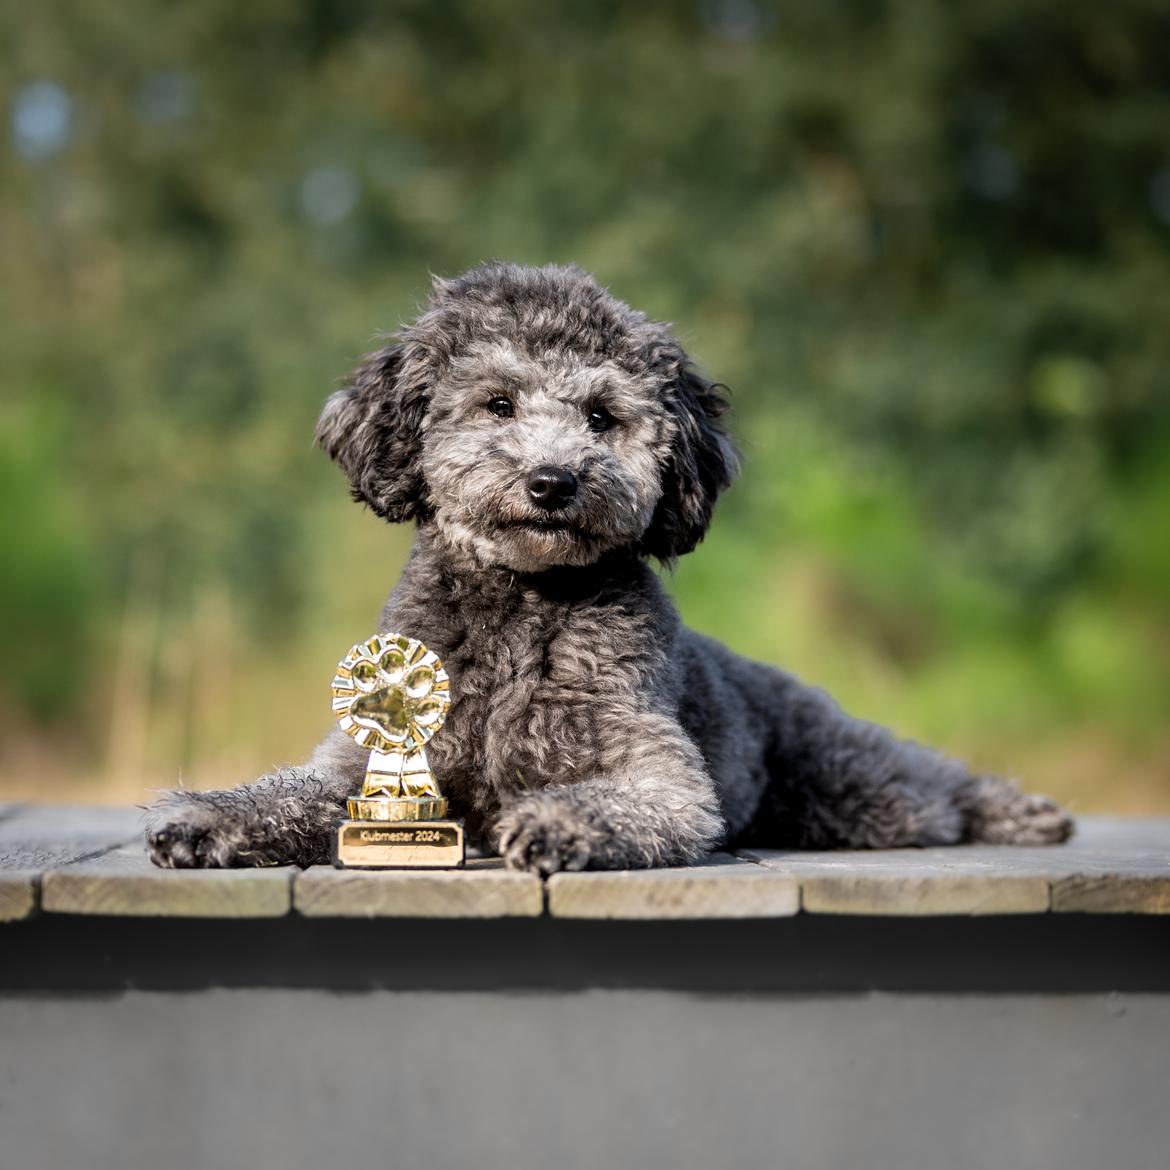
(399, 844)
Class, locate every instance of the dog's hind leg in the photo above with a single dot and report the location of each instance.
(283, 818)
(840, 782)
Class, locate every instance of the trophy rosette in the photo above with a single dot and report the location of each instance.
(392, 694)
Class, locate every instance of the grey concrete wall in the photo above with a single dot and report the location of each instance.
(582, 1080)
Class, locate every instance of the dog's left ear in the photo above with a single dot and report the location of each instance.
(702, 460)
(373, 428)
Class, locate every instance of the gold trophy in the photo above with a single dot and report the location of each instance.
(392, 694)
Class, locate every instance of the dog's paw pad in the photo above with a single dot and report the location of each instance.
(190, 841)
(543, 842)
(175, 845)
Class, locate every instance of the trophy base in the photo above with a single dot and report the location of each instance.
(396, 808)
(396, 844)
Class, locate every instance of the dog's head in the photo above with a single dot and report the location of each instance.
(535, 420)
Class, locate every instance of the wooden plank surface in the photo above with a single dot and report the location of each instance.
(125, 882)
(910, 882)
(722, 887)
(483, 890)
(35, 838)
(1116, 866)
(19, 889)
(1112, 865)
(91, 861)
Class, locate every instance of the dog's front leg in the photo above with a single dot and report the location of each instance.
(651, 802)
(284, 818)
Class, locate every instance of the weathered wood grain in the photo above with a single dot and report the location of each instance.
(36, 838)
(1128, 889)
(19, 889)
(1112, 865)
(125, 882)
(91, 861)
(722, 887)
(910, 882)
(484, 889)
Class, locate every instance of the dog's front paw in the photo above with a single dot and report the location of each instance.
(544, 835)
(182, 834)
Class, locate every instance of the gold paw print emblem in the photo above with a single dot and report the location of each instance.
(392, 694)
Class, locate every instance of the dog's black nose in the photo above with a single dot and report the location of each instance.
(552, 487)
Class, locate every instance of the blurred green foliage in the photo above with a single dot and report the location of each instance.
(926, 244)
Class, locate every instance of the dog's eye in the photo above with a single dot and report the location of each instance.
(600, 420)
(501, 407)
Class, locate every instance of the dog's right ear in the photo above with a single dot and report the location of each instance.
(373, 427)
(702, 461)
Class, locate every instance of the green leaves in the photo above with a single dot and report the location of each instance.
(926, 244)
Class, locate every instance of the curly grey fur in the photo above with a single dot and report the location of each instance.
(589, 728)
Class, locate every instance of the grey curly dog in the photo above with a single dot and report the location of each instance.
(549, 441)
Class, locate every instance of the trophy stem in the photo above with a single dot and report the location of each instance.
(398, 786)
(400, 774)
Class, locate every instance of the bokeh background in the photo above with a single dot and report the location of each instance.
(926, 242)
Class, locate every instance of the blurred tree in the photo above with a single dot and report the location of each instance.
(926, 243)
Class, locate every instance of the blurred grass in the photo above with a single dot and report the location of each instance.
(927, 245)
